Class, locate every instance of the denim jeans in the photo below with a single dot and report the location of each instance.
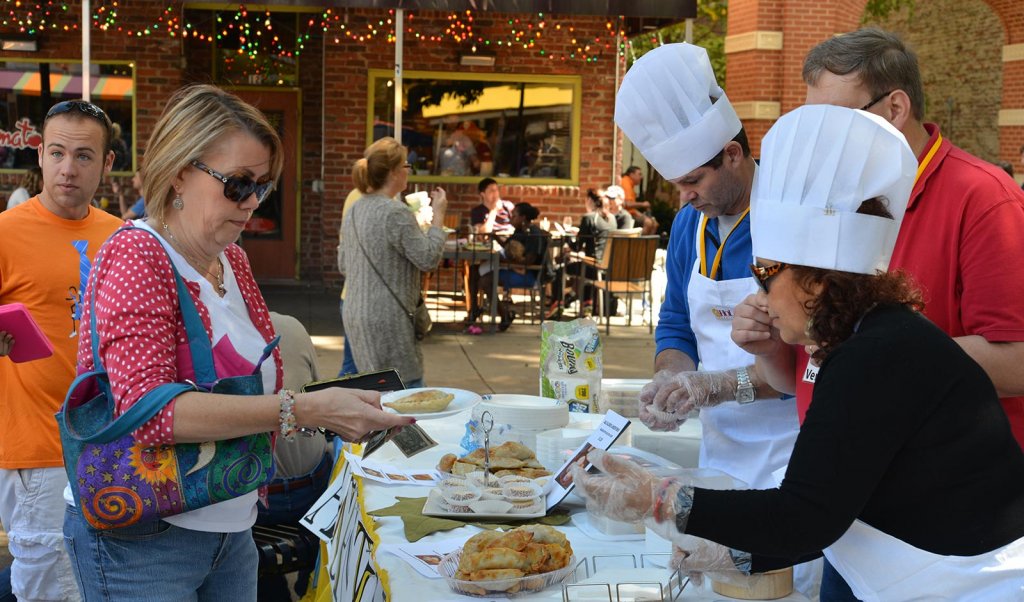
(6, 595)
(348, 363)
(291, 498)
(833, 587)
(158, 562)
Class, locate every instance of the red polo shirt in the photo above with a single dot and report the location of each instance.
(973, 281)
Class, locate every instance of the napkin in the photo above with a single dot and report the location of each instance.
(418, 526)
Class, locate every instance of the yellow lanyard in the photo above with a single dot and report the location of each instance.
(721, 247)
(928, 158)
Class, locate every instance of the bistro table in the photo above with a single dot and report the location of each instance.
(404, 584)
(474, 256)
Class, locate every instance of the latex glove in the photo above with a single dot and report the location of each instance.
(624, 492)
(697, 557)
(751, 327)
(672, 396)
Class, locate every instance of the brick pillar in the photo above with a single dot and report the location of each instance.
(765, 47)
(1011, 115)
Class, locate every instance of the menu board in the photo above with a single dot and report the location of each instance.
(602, 438)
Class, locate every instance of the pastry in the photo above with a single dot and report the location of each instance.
(421, 402)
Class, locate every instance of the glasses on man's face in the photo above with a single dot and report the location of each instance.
(763, 273)
(876, 100)
(238, 188)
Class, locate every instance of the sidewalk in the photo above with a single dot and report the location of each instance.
(503, 362)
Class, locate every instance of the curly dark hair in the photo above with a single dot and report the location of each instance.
(845, 296)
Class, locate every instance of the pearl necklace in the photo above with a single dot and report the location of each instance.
(217, 275)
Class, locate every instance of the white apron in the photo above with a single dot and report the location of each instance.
(747, 441)
(879, 567)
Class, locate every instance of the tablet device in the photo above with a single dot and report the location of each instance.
(29, 341)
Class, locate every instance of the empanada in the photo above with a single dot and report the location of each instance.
(421, 402)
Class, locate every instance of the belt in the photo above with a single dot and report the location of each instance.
(286, 485)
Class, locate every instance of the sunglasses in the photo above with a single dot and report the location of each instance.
(238, 188)
(762, 274)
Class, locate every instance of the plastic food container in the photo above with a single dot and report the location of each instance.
(503, 588)
(621, 395)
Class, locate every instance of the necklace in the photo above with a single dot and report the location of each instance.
(217, 275)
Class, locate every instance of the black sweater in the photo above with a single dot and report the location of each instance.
(905, 432)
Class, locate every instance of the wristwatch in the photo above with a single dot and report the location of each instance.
(744, 388)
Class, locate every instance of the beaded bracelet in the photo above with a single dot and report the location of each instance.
(288, 424)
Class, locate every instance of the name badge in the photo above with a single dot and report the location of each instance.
(722, 313)
(810, 372)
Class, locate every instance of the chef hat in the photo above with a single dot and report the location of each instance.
(818, 164)
(665, 108)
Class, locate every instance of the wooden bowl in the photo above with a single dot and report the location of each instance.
(763, 586)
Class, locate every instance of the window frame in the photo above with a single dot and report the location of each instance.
(576, 119)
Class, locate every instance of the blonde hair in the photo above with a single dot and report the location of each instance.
(379, 159)
(195, 118)
(32, 181)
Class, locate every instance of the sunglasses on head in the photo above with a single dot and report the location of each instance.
(763, 273)
(81, 106)
(238, 188)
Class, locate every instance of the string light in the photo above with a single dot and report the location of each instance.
(34, 17)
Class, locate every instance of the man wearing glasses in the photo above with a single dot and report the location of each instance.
(960, 239)
(48, 246)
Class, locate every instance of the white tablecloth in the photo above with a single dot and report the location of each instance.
(406, 585)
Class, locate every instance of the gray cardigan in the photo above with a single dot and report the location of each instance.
(380, 331)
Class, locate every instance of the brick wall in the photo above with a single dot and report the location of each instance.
(959, 48)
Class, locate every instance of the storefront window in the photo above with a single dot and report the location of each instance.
(30, 88)
(256, 48)
(471, 126)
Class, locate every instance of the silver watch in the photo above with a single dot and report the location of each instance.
(744, 388)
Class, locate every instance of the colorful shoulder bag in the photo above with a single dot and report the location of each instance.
(117, 481)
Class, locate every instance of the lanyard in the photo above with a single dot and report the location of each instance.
(721, 248)
(928, 158)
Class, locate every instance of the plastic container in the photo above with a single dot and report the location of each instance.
(502, 588)
(621, 395)
(613, 527)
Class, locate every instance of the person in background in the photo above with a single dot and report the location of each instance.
(526, 247)
(640, 210)
(31, 184)
(590, 241)
(210, 161)
(905, 472)
(1005, 166)
(49, 244)
(614, 197)
(348, 363)
(493, 215)
(137, 209)
(302, 465)
(382, 237)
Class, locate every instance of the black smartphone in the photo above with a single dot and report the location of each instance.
(384, 381)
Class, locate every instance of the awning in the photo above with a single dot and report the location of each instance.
(503, 98)
(28, 83)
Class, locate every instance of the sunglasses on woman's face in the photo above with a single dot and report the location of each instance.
(763, 273)
(238, 188)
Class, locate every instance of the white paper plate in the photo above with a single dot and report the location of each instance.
(432, 507)
(464, 400)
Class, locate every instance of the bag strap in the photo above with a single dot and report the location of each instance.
(408, 313)
(198, 342)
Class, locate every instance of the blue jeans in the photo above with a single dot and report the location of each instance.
(291, 498)
(833, 586)
(6, 595)
(348, 363)
(158, 562)
(415, 384)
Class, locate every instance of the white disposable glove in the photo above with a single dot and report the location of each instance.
(666, 401)
(698, 557)
(623, 491)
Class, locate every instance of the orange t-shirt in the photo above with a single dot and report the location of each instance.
(630, 188)
(42, 259)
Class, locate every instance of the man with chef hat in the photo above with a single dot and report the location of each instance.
(672, 109)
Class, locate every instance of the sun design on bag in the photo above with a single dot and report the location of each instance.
(154, 464)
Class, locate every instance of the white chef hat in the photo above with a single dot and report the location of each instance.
(818, 164)
(665, 108)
